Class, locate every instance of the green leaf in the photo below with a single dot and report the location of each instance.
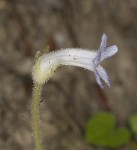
(118, 137)
(101, 131)
(133, 124)
(98, 126)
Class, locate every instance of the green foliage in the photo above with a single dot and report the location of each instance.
(101, 130)
(133, 124)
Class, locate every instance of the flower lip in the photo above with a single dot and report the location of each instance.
(103, 53)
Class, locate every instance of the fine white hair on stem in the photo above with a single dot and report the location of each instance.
(48, 63)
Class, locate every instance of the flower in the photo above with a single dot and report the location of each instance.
(46, 65)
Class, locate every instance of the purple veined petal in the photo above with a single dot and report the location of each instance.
(103, 42)
(110, 51)
(103, 74)
(97, 75)
(102, 48)
(98, 79)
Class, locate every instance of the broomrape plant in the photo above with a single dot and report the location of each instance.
(46, 65)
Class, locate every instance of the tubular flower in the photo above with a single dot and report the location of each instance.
(46, 65)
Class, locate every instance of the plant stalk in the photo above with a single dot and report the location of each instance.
(35, 115)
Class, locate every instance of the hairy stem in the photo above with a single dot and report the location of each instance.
(35, 115)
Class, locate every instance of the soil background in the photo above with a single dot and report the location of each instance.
(71, 96)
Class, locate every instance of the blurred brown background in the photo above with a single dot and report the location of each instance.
(72, 96)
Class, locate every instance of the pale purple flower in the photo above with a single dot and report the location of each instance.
(47, 63)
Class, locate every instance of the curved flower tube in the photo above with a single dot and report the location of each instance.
(48, 63)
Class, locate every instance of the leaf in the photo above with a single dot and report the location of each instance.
(118, 137)
(98, 126)
(133, 124)
(101, 131)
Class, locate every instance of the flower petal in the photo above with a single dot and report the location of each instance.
(103, 42)
(103, 74)
(98, 78)
(100, 51)
(110, 51)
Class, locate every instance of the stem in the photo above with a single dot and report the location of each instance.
(35, 115)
